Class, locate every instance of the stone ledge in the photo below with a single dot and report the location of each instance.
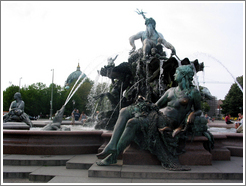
(51, 142)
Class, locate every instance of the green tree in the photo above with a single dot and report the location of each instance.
(205, 106)
(233, 103)
(80, 96)
(37, 98)
(8, 96)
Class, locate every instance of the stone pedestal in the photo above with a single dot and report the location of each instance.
(220, 152)
(234, 143)
(133, 155)
(195, 154)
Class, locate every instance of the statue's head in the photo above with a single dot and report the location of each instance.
(17, 95)
(59, 115)
(185, 70)
(150, 21)
(185, 75)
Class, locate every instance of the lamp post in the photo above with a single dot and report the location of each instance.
(73, 103)
(20, 83)
(51, 101)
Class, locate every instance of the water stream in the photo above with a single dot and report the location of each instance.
(213, 58)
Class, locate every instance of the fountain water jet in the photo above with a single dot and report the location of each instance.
(207, 55)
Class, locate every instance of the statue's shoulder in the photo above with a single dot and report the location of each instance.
(194, 90)
(196, 93)
(160, 35)
(172, 89)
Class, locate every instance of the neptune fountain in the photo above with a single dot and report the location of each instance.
(155, 104)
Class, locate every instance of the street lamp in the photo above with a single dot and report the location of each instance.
(20, 83)
(51, 94)
(73, 103)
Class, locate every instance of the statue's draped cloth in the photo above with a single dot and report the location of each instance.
(148, 136)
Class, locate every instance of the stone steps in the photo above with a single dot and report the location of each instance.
(219, 170)
(36, 160)
(83, 169)
(42, 168)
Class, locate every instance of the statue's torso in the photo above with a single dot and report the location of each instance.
(178, 106)
(15, 104)
(154, 37)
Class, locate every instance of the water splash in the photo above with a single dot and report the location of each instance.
(161, 72)
(91, 100)
(196, 78)
(71, 95)
(122, 98)
(207, 55)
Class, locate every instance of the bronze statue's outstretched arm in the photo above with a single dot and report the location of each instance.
(162, 102)
(167, 44)
(133, 38)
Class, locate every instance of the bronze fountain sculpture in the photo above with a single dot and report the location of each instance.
(160, 108)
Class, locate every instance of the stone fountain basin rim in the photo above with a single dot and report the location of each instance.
(68, 133)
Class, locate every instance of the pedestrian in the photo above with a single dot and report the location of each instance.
(240, 122)
(77, 115)
(72, 114)
(228, 119)
(207, 118)
(83, 117)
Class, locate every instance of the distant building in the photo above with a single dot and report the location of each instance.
(213, 107)
(73, 77)
(219, 109)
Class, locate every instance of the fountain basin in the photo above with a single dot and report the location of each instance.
(51, 142)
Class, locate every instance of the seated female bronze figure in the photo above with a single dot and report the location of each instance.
(146, 125)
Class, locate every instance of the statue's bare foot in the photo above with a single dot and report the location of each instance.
(176, 131)
(110, 159)
(167, 129)
(106, 151)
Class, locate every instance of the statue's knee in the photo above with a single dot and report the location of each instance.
(124, 111)
(132, 123)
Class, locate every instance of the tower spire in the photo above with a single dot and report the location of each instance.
(78, 67)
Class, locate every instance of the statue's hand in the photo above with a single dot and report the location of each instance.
(173, 52)
(132, 50)
(191, 118)
(18, 112)
(99, 96)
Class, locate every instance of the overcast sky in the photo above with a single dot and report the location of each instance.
(39, 36)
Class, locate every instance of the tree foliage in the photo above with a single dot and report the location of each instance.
(8, 96)
(37, 98)
(80, 97)
(205, 106)
(233, 103)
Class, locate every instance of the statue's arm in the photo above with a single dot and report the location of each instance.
(162, 102)
(167, 44)
(22, 106)
(11, 107)
(133, 38)
(197, 107)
